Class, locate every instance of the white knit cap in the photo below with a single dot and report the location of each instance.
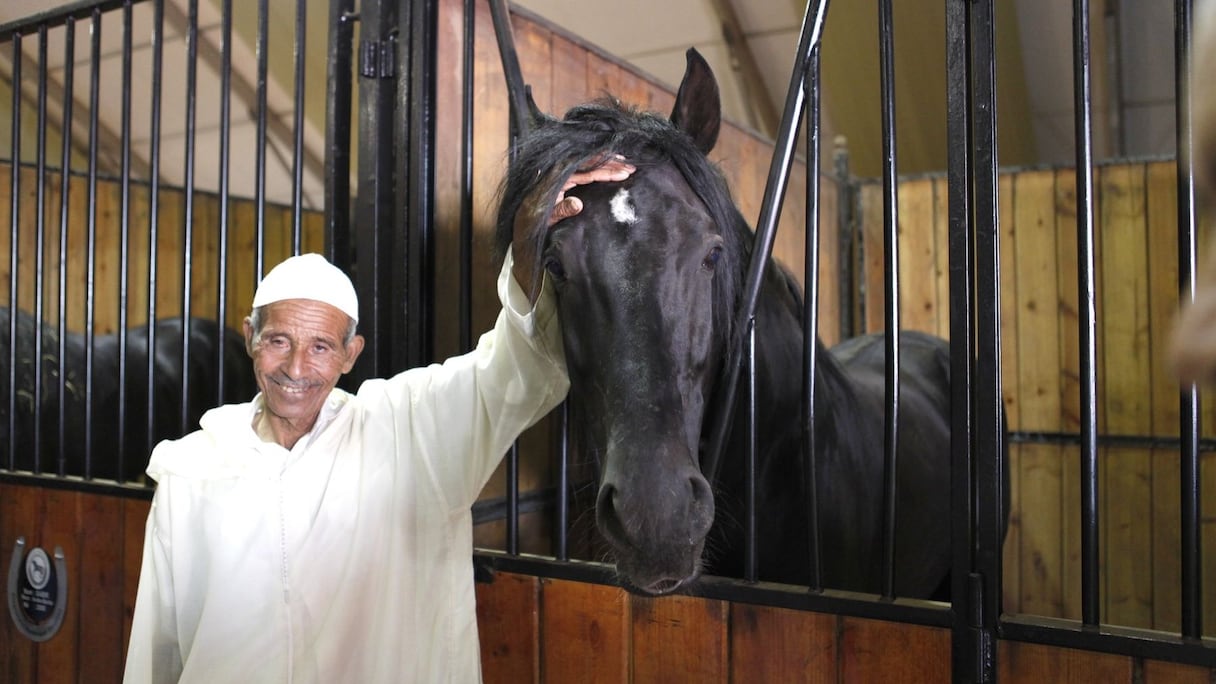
(308, 276)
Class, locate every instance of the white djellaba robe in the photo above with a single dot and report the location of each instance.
(348, 558)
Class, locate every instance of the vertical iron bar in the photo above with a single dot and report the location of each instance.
(91, 273)
(124, 259)
(562, 526)
(1189, 405)
(890, 210)
(500, 16)
(259, 184)
(225, 157)
(375, 225)
(989, 490)
(188, 218)
(39, 247)
(297, 159)
(416, 163)
(513, 500)
(65, 180)
(766, 228)
(13, 242)
(750, 570)
(158, 47)
(337, 134)
(466, 177)
(1086, 302)
(810, 317)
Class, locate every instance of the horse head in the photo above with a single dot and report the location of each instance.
(646, 279)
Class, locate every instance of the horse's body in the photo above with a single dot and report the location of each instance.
(648, 279)
(238, 379)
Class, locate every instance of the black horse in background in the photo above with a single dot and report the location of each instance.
(239, 385)
(648, 280)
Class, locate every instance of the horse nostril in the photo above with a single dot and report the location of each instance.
(701, 503)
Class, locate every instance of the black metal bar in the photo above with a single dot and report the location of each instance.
(890, 213)
(1189, 401)
(65, 184)
(124, 254)
(1086, 303)
(969, 640)
(766, 229)
(910, 611)
(91, 237)
(416, 164)
(375, 203)
(259, 184)
(188, 217)
(750, 569)
(466, 176)
(810, 318)
(517, 96)
(297, 157)
(158, 48)
(561, 528)
(1126, 641)
(513, 500)
(225, 189)
(337, 133)
(40, 244)
(14, 237)
(989, 424)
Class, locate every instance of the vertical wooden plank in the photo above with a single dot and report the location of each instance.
(679, 639)
(1161, 210)
(1065, 206)
(58, 656)
(829, 258)
(879, 651)
(918, 294)
(507, 623)
(100, 589)
(1023, 663)
(584, 632)
(1127, 366)
(780, 645)
(1039, 515)
(20, 516)
(869, 230)
(570, 85)
(1010, 362)
(941, 265)
(134, 519)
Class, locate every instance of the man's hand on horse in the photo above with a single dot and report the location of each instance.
(615, 169)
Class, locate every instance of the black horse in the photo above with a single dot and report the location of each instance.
(137, 437)
(648, 281)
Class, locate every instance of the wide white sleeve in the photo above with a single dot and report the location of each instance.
(153, 654)
(457, 419)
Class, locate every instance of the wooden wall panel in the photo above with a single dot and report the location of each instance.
(99, 535)
(781, 645)
(508, 624)
(679, 639)
(585, 629)
(876, 651)
(1021, 663)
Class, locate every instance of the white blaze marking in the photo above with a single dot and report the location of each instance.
(622, 208)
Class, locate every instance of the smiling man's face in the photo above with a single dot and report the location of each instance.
(298, 357)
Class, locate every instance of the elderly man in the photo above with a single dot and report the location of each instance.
(312, 535)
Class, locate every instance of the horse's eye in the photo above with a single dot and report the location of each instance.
(711, 260)
(555, 269)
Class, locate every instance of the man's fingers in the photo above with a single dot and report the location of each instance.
(565, 208)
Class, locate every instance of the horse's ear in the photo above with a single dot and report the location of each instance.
(698, 108)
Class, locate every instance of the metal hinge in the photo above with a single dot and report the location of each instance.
(378, 58)
(985, 653)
